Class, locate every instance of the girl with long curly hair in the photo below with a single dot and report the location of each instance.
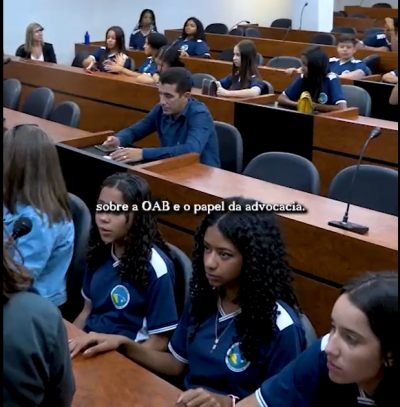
(241, 325)
(129, 285)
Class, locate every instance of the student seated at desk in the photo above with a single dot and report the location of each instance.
(167, 57)
(241, 324)
(356, 364)
(346, 66)
(387, 41)
(112, 56)
(34, 188)
(323, 86)
(183, 124)
(36, 363)
(245, 80)
(35, 48)
(391, 77)
(130, 278)
(192, 42)
(154, 43)
(145, 26)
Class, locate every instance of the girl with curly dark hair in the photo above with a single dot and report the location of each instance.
(356, 364)
(242, 323)
(129, 283)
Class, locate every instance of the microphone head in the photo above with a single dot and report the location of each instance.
(21, 227)
(375, 132)
(305, 5)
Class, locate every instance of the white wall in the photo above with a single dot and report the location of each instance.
(339, 4)
(66, 21)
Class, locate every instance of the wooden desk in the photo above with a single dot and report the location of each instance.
(372, 12)
(360, 24)
(111, 380)
(58, 132)
(337, 144)
(272, 48)
(106, 101)
(323, 257)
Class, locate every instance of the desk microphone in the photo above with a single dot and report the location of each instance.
(22, 227)
(362, 2)
(344, 223)
(236, 25)
(6, 60)
(282, 45)
(301, 14)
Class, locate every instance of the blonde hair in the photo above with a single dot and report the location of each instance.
(29, 36)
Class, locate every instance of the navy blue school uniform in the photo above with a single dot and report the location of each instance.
(194, 47)
(226, 83)
(340, 68)
(137, 39)
(305, 383)
(121, 308)
(377, 41)
(98, 53)
(331, 92)
(148, 67)
(395, 72)
(224, 370)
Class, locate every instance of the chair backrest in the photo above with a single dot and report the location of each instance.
(286, 169)
(372, 62)
(237, 31)
(284, 62)
(67, 113)
(259, 59)
(82, 224)
(324, 39)
(11, 93)
(226, 55)
(199, 77)
(339, 14)
(357, 15)
(358, 97)
(252, 32)
(217, 28)
(39, 103)
(368, 71)
(375, 188)
(344, 30)
(309, 330)
(382, 5)
(79, 58)
(186, 266)
(268, 89)
(282, 23)
(373, 30)
(230, 147)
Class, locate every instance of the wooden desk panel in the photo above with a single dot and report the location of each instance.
(272, 48)
(324, 257)
(111, 380)
(360, 24)
(372, 12)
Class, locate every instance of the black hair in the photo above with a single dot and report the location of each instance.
(157, 41)
(318, 68)
(377, 296)
(248, 67)
(153, 16)
(180, 77)
(119, 40)
(265, 277)
(170, 56)
(348, 38)
(200, 29)
(142, 236)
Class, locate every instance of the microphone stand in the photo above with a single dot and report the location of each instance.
(301, 15)
(344, 223)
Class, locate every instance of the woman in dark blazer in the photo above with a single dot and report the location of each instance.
(35, 48)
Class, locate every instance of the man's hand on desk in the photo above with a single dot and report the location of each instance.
(112, 141)
(94, 343)
(203, 398)
(127, 154)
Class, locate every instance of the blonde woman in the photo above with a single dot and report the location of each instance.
(35, 48)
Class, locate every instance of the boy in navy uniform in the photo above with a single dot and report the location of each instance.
(391, 77)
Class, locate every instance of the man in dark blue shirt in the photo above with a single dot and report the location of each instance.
(184, 125)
